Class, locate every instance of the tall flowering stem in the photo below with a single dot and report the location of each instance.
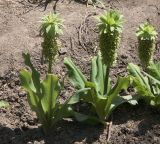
(110, 29)
(50, 31)
(146, 35)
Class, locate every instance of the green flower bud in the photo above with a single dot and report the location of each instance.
(146, 35)
(110, 29)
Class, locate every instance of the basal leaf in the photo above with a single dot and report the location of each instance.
(153, 78)
(35, 73)
(154, 70)
(27, 84)
(74, 74)
(140, 82)
(122, 83)
(50, 92)
(98, 73)
(86, 118)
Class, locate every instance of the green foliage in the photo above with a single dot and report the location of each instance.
(51, 26)
(110, 29)
(50, 30)
(75, 75)
(146, 35)
(147, 85)
(3, 104)
(146, 32)
(94, 90)
(154, 70)
(43, 96)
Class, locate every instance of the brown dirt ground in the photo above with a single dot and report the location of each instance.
(19, 32)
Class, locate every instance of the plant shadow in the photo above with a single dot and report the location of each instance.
(145, 117)
(65, 132)
(38, 4)
(80, 1)
(19, 136)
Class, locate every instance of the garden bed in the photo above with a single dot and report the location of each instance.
(19, 31)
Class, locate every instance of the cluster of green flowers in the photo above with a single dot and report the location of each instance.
(110, 29)
(50, 30)
(146, 35)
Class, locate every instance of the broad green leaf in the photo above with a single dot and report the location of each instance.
(100, 105)
(27, 84)
(78, 96)
(33, 97)
(50, 92)
(135, 71)
(124, 99)
(75, 75)
(92, 93)
(153, 73)
(26, 80)
(140, 82)
(35, 73)
(86, 118)
(98, 101)
(98, 73)
(122, 83)
(153, 78)
(154, 70)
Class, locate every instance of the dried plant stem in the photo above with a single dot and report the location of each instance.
(109, 129)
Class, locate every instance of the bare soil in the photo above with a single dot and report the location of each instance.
(19, 32)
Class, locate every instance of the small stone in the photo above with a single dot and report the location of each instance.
(155, 138)
(36, 142)
(22, 93)
(18, 113)
(63, 51)
(1, 93)
(25, 127)
(11, 85)
(123, 56)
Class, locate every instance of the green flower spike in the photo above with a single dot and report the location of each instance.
(50, 30)
(110, 29)
(146, 35)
